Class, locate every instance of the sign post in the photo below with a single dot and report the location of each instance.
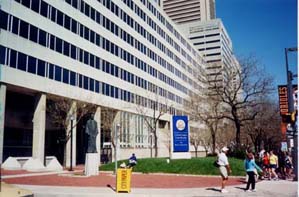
(180, 138)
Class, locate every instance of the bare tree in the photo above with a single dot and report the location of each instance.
(240, 91)
(199, 138)
(152, 113)
(264, 130)
(205, 109)
(61, 110)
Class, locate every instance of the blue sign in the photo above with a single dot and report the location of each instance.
(180, 134)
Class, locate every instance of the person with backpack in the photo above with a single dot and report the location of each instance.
(250, 167)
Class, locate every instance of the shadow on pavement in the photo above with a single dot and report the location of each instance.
(113, 189)
(242, 188)
(214, 189)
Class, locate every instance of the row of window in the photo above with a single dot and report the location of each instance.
(33, 65)
(85, 57)
(93, 37)
(128, 38)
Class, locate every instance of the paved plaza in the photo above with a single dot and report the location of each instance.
(147, 185)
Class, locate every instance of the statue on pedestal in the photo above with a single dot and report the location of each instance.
(91, 130)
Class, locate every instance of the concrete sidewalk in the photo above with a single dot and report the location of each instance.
(279, 188)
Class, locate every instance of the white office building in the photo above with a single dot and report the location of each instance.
(110, 53)
(211, 39)
(186, 11)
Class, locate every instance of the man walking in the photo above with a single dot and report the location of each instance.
(224, 168)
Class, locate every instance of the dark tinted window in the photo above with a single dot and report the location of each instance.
(3, 21)
(98, 39)
(52, 42)
(98, 17)
(91, 84)
(92, 13)
(85, 83)
(91, 60)
(35, 5)
(65, 76)
(53, 14)
(74, 26)
(2, 55)
(31, 64)
(67, 22)
(24, 26)
(86, 33)
(58, 45)
(97, 86)
(81, 55)
(15, 25)
(22, 61)
(26, 3)
(66, 48)
(92, 36)
(44, 9)
(73, 51)
(41, 67)
(81, 30)
(73, 78)
(59, 18)
(85, 57)
(97, 63)
(13, 59)
(42, 39)
(75, 3)
(51, 71)
(57, 73)
(80, 81)
(33, 33)
(87, 12)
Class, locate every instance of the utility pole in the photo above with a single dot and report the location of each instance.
(291, 110)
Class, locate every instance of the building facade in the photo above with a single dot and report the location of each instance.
(212, 40)
(186, 11)
(122, 55)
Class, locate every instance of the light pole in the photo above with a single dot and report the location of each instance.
(71, 164)
(116, 146)
(291, 110)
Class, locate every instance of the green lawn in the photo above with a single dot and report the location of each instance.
(199, 166)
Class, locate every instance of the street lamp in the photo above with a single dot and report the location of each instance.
(116, 145)
(71, 164)
(291, 110)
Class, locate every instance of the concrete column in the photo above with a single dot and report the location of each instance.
(2, 118)
(97, 118)
(39, 127)
(72, 112)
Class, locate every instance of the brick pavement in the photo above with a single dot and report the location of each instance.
(105, 179)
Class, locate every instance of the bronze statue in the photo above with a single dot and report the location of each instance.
(92, 132)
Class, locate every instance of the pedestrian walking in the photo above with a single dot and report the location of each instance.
(273, 165)
(266, 165)
(250, 167)
(288, 165)
(224, 168)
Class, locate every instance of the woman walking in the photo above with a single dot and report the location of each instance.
(250, 167)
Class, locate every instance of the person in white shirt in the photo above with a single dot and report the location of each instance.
(224, 168)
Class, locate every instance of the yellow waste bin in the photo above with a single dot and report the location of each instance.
(123, 180)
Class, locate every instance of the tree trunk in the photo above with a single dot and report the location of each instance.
(195, 151)
(238, 133)
(213, 143)
(156, 142)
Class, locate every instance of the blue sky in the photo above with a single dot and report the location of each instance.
(262, 28)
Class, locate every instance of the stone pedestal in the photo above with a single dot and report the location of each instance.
(91, 164)
(182, 155)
